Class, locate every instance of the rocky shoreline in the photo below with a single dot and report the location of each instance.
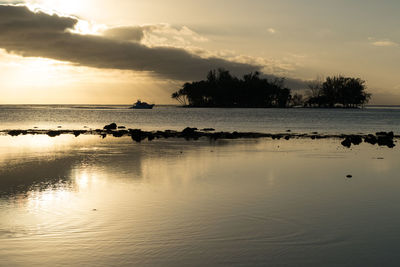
(387, 139)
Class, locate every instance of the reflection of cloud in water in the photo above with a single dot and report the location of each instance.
(34, 175)
(77, 163)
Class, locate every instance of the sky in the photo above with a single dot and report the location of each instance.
(115, 52)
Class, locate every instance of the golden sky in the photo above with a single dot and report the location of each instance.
(114, 52)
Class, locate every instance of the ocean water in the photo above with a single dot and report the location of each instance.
(368, 120)
(88, 201)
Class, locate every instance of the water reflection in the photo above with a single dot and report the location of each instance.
(89, 201)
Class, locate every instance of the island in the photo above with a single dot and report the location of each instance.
(222, 89)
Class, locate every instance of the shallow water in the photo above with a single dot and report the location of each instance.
(369, 120)
(91, 202)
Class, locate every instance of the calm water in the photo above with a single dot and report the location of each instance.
(367, 120)
(91, 202)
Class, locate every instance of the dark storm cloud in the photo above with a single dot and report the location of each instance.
(37, 34)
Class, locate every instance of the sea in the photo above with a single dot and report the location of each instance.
(93, 201)
(366, 120)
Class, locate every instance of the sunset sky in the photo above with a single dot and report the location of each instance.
(114, 52)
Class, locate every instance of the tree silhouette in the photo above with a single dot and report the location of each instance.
(338, 90)
(221, 89)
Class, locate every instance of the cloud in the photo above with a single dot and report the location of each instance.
(38, 34)
(385, 43)
(156, 35)
(133, 34)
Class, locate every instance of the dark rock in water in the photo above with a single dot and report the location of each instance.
(137, 135)
(120, 133)
(287, 137)
(385, 139)
(190, 133)
(78, 133)
(346, 142)
(16, 132)
(59, 127)
(121, 127)
(349, 176)
(150, 137)
(53, 133)
(385, 134)
(288, 131)
(356, 139)
(208, 130)
(112, 126)
(371, 139)
(352, 140)
(276, 136)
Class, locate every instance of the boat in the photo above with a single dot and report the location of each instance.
(142, 105)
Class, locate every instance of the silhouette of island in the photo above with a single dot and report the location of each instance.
(221, 89)
(338, 91)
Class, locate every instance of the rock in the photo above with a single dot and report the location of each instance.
(386, 134)
(137, 135)
(15, 132)
(277, 136)
(385, 139)
(352, 140)
(78, 132)
(120, 133)
(349, 176)
(121, 127)
(346, 143)
(356, 139)
(150, 137)
(53, 133)
(112, 126)
(190, 133)
(371, 139)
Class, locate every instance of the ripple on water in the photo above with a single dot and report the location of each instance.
(279, 231)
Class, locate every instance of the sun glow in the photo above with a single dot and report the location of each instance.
(66, 7)
(70, 8)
